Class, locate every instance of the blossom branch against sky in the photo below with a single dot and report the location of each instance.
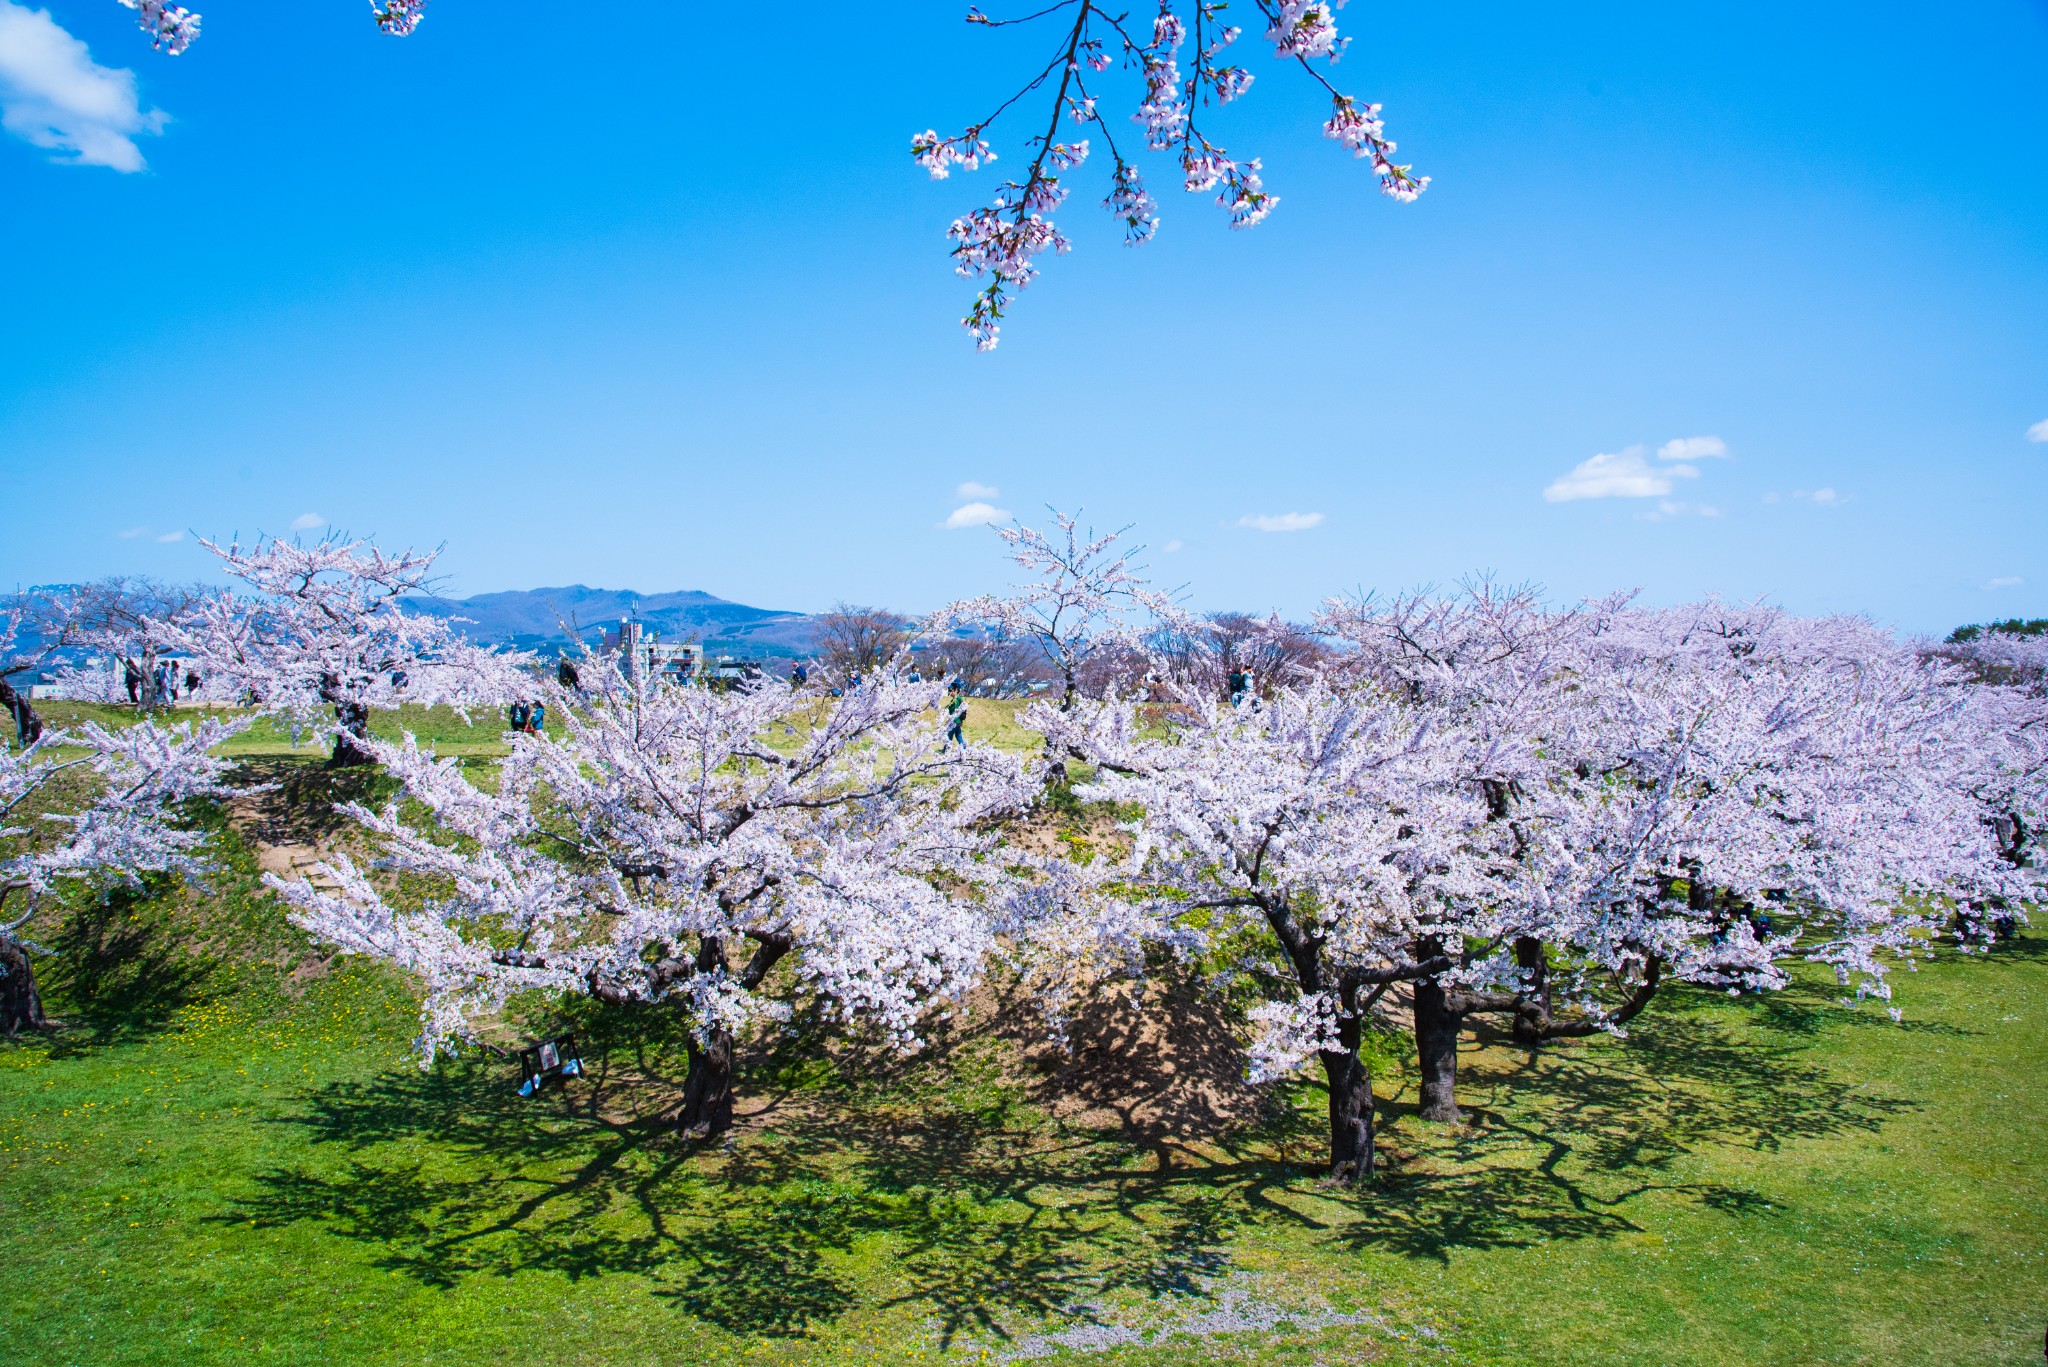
(1000, 241)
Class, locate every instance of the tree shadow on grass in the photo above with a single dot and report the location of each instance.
(983, 1216)
(119, 968)
(965, 1205)
(1563, 1141)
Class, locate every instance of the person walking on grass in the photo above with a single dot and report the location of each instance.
(956, 714)
(537, 719)
(518, 716)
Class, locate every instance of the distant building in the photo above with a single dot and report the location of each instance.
(645, 654)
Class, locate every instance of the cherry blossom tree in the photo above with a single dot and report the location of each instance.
(2004, 764)
(127, 827)
(322, 636)
(27, 642)
(1723, 790)
(1001, 241)
(1332, 831)
(675, 844)
(1492, 664)
(1084, 598)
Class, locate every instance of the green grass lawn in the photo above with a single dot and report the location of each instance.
(992, 721)
(228, 1157)
(440, 727)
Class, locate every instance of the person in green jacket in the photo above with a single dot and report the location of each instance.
(956, 713)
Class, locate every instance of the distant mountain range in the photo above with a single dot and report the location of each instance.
(532, 619)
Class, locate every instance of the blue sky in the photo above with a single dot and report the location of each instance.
(654, 301)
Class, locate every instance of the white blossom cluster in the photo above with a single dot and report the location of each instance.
(661, 831)
(998, 242)
(1698, 793)
(321, 636)
(129, 824)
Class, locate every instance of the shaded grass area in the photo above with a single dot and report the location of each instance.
(228, 1157)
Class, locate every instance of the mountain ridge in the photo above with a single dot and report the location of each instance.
(532, 618)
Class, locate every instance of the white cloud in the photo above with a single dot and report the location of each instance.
(1692, 448)
(1281, 522)
(52, 94)
(977, 514)
(1666, 508)
(132, 533)
(1172, 546)
(1624, 474)
(1773, 496)
(1826, 496)
(2005, 581)
(976, 491)
(2039, 431)
(306, 522)
(168, 537)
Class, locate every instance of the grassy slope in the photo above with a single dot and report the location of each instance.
(228, 1158)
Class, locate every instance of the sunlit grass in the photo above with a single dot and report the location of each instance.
(229, 1156)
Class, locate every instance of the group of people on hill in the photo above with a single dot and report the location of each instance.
(529, 717)
(166, 678)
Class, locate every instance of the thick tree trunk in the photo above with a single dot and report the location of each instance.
(1532, 1004)
(1437, 1026)
(1350, 1114)
(707, 1094)
(350, 748)
(28, 727)
(21, 1006)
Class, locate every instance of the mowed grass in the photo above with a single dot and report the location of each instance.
(482, 735)
(229, 1156)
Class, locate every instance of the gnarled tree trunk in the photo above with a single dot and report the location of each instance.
(1351, 1117)
(21, 1005)
(707, 1093)
(351, 748)
(708, 1090)
(1532, 1004)
(1438, 1023)
(28, 727)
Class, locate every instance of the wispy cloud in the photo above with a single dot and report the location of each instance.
(2005, 581)
(1172, 546)
(1281, 522)
(168, 537)
(1622, 474)
(977, 514)
(306, 522)
(1667, 509)
(971, 490)
(2039, 431)
(53, 95)
(1692, 448)
(132, 533)
(1826, 497)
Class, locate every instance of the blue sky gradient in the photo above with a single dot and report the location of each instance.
(648, 302)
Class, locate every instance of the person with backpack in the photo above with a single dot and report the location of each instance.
(518, 716)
